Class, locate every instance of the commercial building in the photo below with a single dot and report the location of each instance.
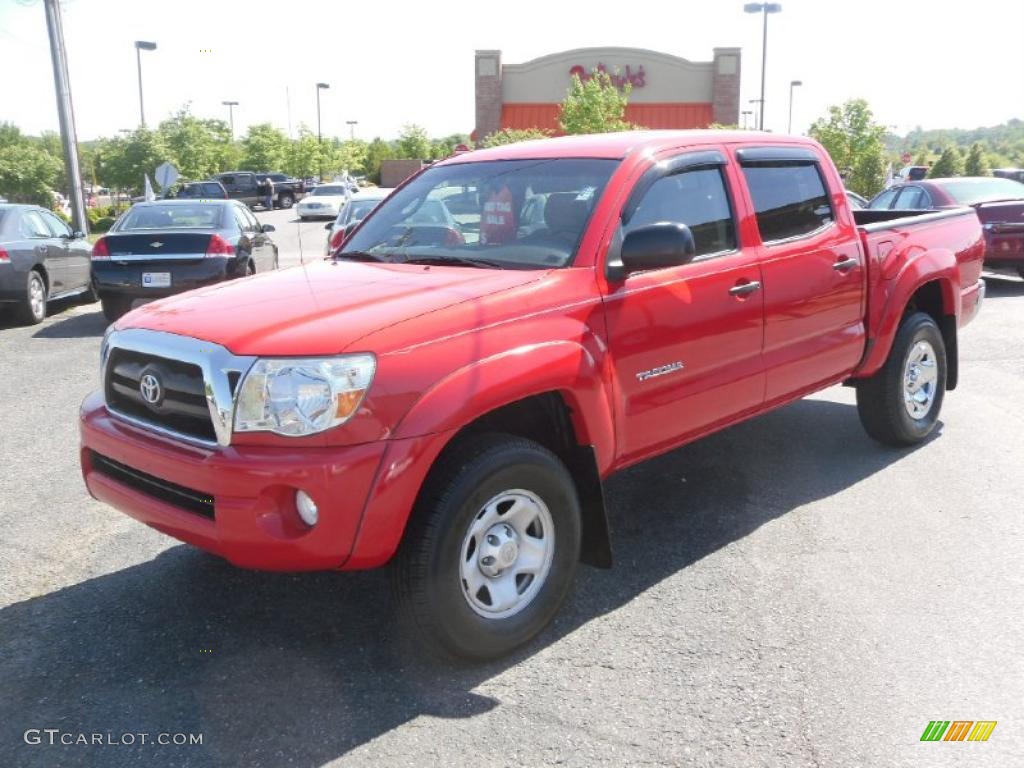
(667, 91)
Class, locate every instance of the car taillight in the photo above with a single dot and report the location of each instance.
(4, 255)
(337, 238)
(219, 247)
(100, 250)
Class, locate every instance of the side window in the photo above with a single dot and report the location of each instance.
(227, 181)
(240, 219)
(696, 198)
(245, 182)
(254, 223)
(57, 227)
(884, 200)
(910, 199)
(32, 225)
(790, 199)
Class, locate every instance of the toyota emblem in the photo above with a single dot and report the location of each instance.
(150, 389)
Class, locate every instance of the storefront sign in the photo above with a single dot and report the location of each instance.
(619, 78)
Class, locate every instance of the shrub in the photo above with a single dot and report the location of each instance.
(102, 224)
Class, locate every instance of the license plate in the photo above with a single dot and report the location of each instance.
(156, 279)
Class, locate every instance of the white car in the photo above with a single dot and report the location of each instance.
(357, 209)
(324, 201)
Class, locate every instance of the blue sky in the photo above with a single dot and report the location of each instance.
(935, 64)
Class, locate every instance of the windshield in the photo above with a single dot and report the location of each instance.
(969, 191)
(357, 210)
(329, 189)
(525, 214)
(171, 217)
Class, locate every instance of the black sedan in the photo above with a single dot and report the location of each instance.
(170, 246)
(40, 259)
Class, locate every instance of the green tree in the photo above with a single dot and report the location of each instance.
(413, 142)
(855, 142)
(514, 135)
(377, 151)
(349, 156)
(123, 162)
(264, 148)
(28, 173)
(444, 147)
(950, 163)
(595, 105)
(976, 163)
(304, 156)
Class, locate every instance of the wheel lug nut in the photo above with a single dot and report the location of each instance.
(487, 560)
(492, 539)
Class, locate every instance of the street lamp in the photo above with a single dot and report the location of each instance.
(764, 9)
(759, 103)
(792, 84)
(140, 46)
(746, 112)
(319, 137)
(352, 128)
(231, 115)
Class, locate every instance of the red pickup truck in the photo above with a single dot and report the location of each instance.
(448, 392)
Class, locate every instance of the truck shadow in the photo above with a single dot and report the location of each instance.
(78, 326)
(998, 287)
(304, 668)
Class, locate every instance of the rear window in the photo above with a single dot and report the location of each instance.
(330, 189)
(969, 191)
(357, 210)
(790, 199)
(197, 216)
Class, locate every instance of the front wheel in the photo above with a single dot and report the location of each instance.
(286, 200)
(491, 550)
(900, 404)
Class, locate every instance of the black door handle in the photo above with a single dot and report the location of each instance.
(744, 288)
(845, 264)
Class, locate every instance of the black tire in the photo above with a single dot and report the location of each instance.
(31, 310)
(90, 295)
(114, 306)
(426, 573)
(880, 399)
(286, 200)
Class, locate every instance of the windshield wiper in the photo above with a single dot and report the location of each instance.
(462, 261)
(358, 256)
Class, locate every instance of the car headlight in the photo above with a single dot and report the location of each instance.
(302, 396)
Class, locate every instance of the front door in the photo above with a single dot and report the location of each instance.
(686, 340)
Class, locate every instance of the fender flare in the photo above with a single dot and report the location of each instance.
(485, 385)
(935, 265)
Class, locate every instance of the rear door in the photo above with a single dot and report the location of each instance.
(253, 237)
(48, 250)
(686, 341)
(813, 276)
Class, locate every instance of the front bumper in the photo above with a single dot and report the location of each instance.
(253, 522)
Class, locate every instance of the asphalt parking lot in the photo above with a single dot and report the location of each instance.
(786, 593)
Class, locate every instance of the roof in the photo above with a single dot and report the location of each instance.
(185, 201)
(618, 145)
(372, 193)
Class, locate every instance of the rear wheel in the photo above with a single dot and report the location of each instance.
(492, 547)
(900, 404)
(114, 307)
(32, 308)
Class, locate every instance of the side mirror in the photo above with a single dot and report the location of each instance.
(654, 246)
(77, 235)
(269, 228)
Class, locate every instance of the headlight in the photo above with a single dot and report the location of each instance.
(302, 396)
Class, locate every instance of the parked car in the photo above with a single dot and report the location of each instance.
(355, 210)
(856, 201)
(245, 187)
(41, 259)
(170, 246)
(201, 190)
(1017, 174)
(324, 201)
(452, 399)
(999, 203)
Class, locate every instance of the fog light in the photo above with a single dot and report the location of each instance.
(307, 508)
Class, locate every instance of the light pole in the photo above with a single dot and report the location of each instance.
(140, 46)
(792, 84)
(231, 115)
(759, 103)
(319, 136)
(764, 9)
(746, 112)
(352, 129)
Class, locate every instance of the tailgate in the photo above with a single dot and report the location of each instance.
(158, 246)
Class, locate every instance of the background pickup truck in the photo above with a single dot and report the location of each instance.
(449, 395)
(244, 186)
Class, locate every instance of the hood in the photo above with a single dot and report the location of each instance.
(319, 309)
